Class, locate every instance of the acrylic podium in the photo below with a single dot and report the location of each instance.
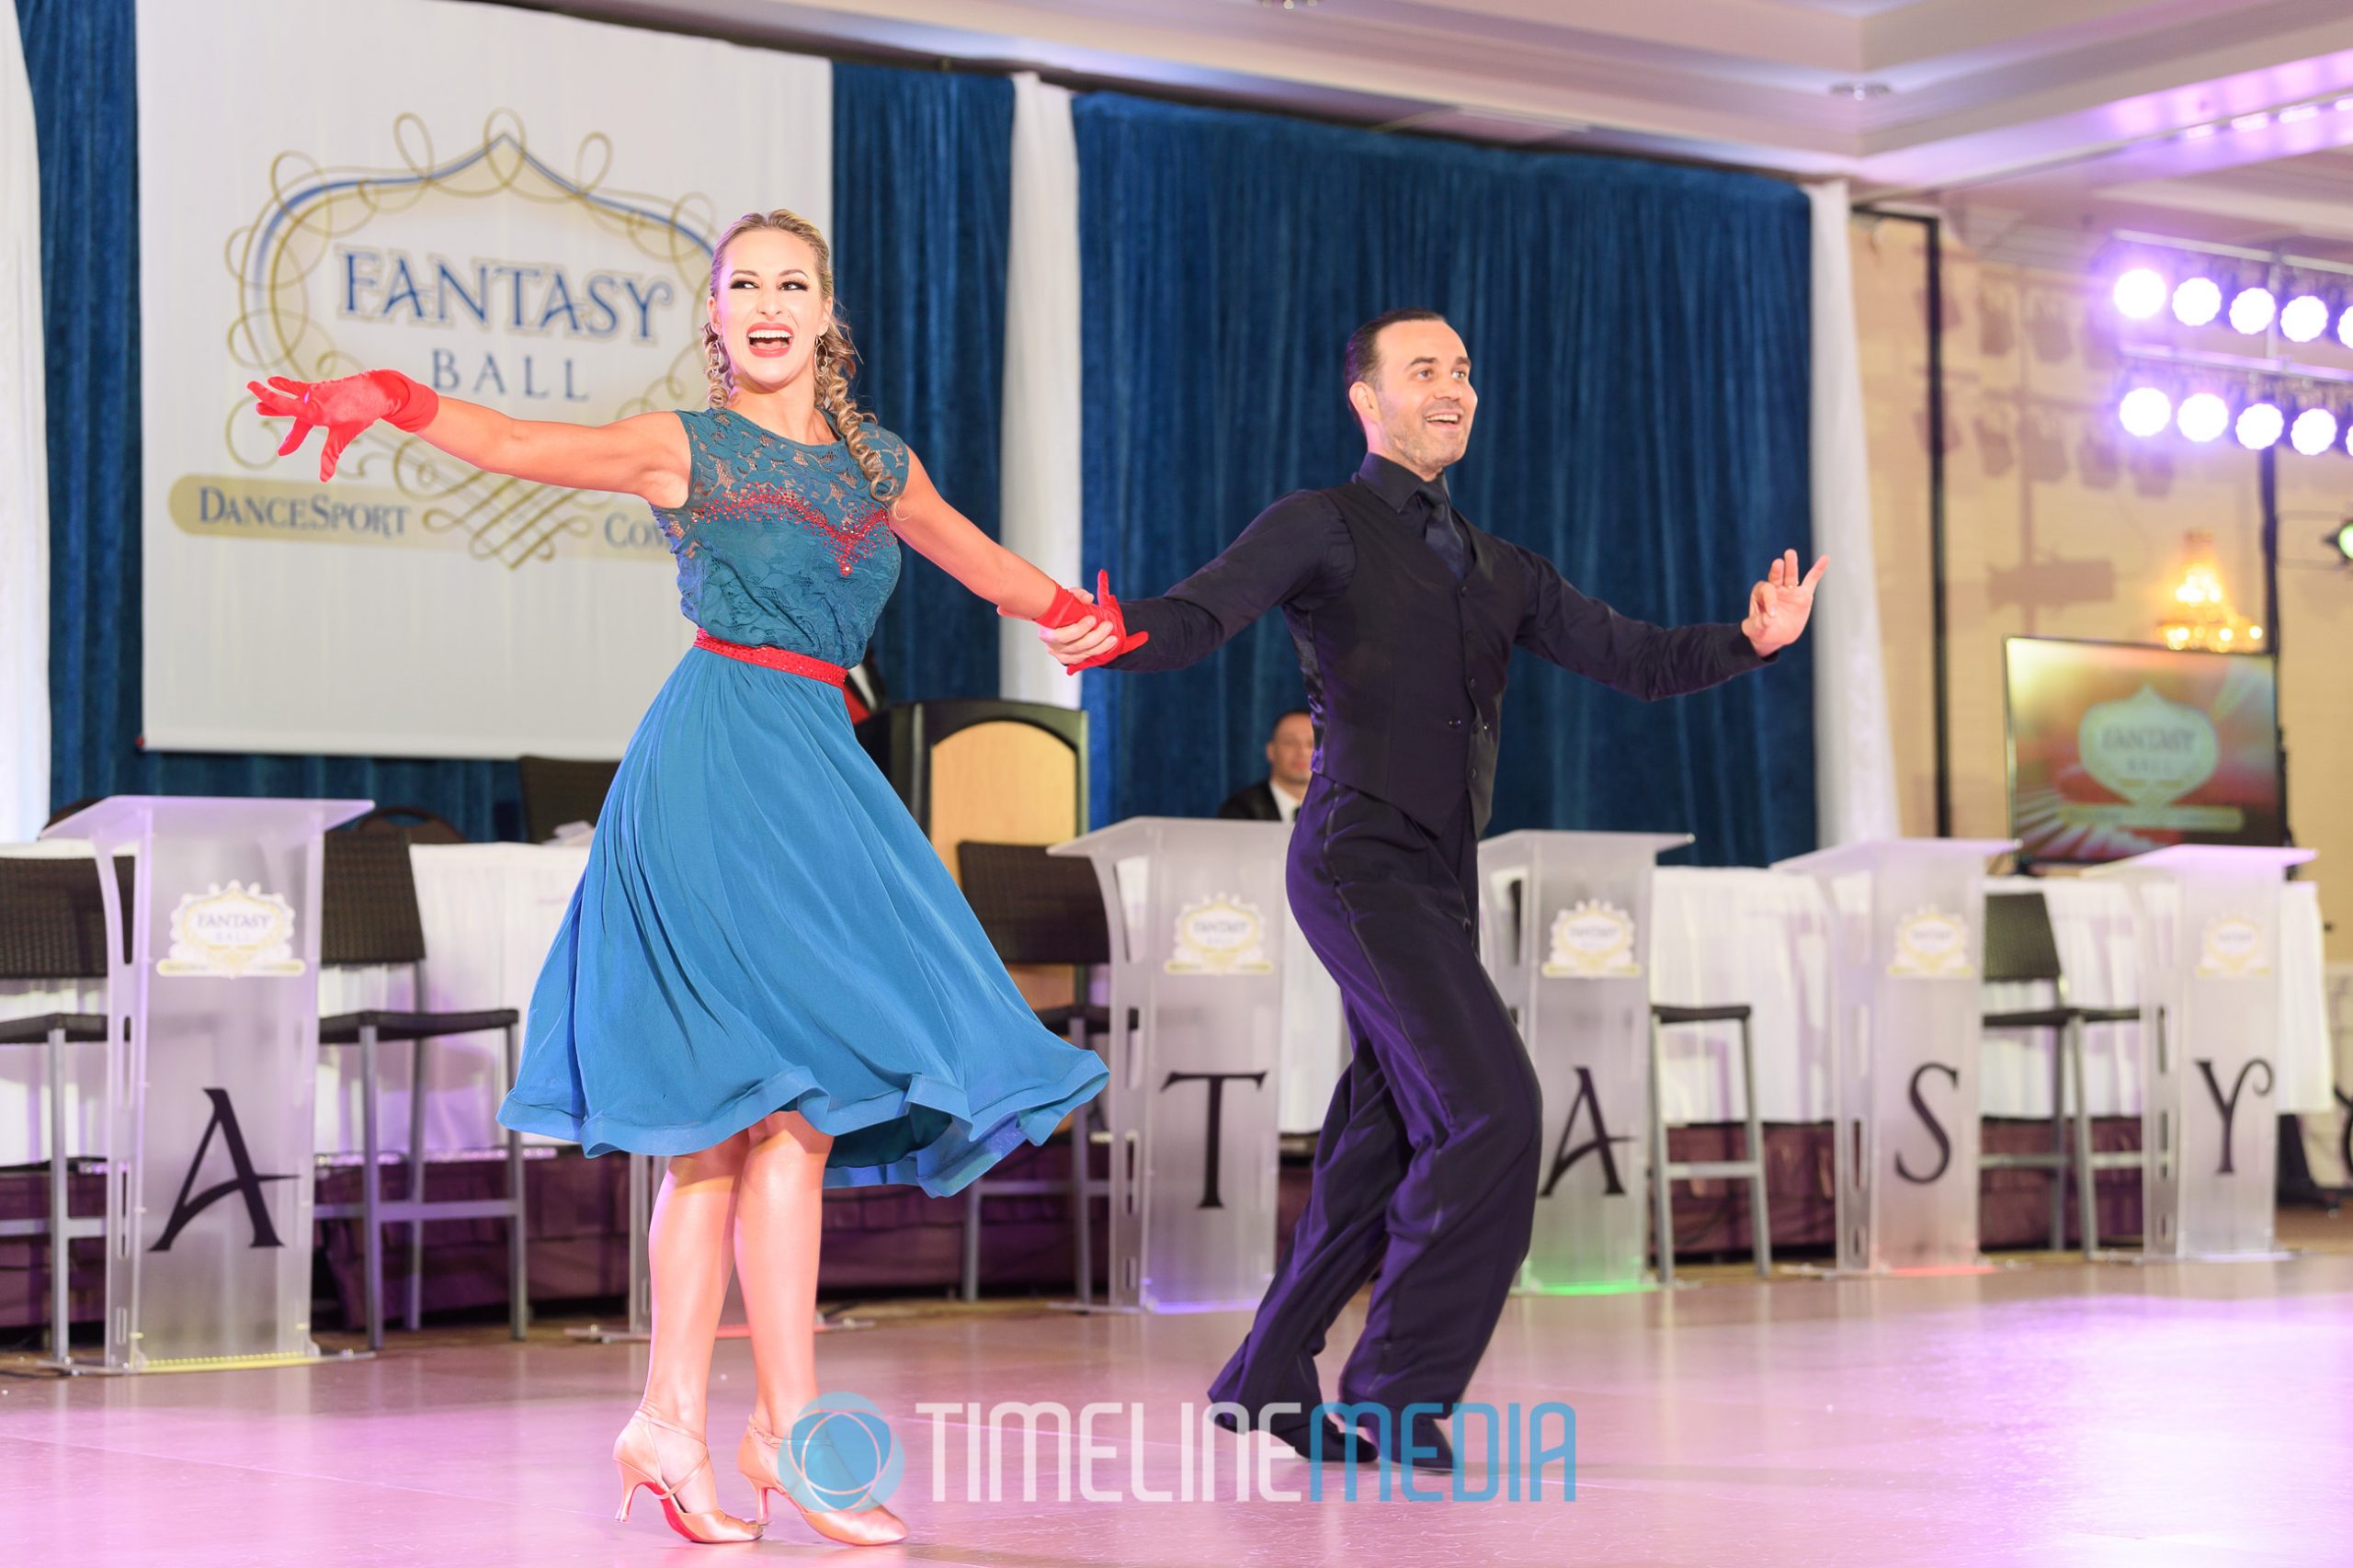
(1908, 924)
(2209, 922)
(211, 1066)
(1196, 914)
(1567, 919)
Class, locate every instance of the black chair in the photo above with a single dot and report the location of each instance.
(70, 807)
(2021, 946)
(52, 929)
(557, 791)
(370, 917)
(1043, 909)
(421, 825)
(1663, 1173)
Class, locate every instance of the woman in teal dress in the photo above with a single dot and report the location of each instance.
(766, 973)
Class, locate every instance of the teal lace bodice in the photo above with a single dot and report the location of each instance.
(781, 544)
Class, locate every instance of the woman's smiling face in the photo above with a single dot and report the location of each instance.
(768, 307)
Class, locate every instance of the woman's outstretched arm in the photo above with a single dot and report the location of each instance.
(644, 455)
(947, 538)
(952, 543)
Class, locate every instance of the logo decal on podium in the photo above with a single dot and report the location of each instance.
(1592, 940)
(232, 932)
(1221, 935)
(1930, 944)
(2233, 948)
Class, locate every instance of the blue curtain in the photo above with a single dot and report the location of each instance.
(923, 188)
(1639, 337)
(80, 58)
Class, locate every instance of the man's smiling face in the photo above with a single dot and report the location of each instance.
(1417, 403)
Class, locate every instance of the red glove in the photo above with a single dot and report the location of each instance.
(346, 407)
(1068, 609)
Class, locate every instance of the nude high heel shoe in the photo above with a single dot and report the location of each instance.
(760, 1456)
(640, 1460)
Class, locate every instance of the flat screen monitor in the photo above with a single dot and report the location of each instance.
(2118, 748)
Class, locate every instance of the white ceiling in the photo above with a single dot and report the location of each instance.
(2033, 121)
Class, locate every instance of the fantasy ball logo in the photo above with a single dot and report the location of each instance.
(839, 1456)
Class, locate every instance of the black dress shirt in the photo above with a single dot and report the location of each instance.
(1405, 659)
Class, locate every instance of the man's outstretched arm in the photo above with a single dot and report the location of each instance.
(1584, 635)
(1296, 549)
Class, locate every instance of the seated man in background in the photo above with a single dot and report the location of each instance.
(1291, 754)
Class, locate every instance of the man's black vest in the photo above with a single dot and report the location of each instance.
(1405, 667)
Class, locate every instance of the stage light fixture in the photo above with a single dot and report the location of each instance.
(2197, 300)
(2252, 309)
(2258, 426)
(2145, 411)
(2344, 327)
(2141, 293)
(2314, 432)
(2304, 318)
(2203, 416)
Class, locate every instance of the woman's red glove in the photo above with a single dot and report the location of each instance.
(1068, 609)
(346, 407)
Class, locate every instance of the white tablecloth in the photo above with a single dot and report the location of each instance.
(1760, 938)
(491, 910)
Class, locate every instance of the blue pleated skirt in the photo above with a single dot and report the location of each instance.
(761, 927)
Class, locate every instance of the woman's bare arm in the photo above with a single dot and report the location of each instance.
(644, 455)
(950, 541)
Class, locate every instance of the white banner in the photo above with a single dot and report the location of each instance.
(514, 207)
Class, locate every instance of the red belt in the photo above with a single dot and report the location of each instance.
(775, 659)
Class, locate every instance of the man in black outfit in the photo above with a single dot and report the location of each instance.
(1291, 762)
(1404, 617)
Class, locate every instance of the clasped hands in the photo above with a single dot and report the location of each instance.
(1084, 629)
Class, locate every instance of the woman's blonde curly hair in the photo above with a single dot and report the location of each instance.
(836, 359)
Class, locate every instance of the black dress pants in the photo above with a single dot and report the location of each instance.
(1426, 1169)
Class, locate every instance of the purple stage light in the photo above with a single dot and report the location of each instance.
(2304, 318)
(2197, 300)
(2252, 309)
(2314, 432)
(2203, 416)
(2258, 426)
(2144, 411)
(2141, 293)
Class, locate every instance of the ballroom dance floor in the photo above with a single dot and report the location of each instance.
(2051, 1414)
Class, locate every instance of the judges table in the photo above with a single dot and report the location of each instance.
(1761, 937)
(1717, 936)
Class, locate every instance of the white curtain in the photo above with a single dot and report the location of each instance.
(1854, 757)
(1040, 496)
(24, 460)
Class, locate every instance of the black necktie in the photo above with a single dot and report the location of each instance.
(1437, 526)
